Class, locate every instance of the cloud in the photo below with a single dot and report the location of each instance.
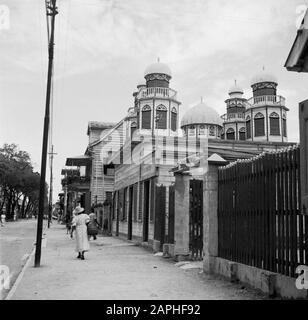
(103, 46)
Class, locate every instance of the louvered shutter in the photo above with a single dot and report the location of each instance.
(140, 202)
(274, 126)
(124, 204)
(231, 136)
(162, 119)
(146, 119)
(135, 190)
(173, 121)
(248, 129)
(259, 127)
(152, 208)
(284, 123)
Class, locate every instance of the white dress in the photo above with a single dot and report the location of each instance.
(82, 243)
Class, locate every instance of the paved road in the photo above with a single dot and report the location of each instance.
(16, 242)
(117, 270)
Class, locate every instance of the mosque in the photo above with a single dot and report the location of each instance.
(135, 199)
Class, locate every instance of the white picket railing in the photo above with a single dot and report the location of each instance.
(157, 92)
(268, 100)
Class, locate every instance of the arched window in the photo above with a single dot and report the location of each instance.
(133, 128)
(202, 130)
(161, 117)
(259, 125)
(274, 124)
(284, 125)
(222, 134)
(230, 134)
(146, 117)
(242, 133)
(212, 131)
(248, 127)
(174, 115)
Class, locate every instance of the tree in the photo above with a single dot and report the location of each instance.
(19, 185)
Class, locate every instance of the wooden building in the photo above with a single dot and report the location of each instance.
(131, 163)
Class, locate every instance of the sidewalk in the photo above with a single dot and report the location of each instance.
(117, 270)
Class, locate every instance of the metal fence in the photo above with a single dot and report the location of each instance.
(259, 218)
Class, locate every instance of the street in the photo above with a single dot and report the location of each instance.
(16, 242)
(118, 270)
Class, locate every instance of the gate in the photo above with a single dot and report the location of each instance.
(160, 215)
(171, 216)
(196, 219)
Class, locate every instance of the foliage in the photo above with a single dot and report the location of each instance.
(19, 184)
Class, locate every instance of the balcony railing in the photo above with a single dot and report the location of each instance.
(157, 92)
(230, 117)
(76, 179)
(267, 100)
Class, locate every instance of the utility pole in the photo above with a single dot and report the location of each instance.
(51, 10)
(51, 186)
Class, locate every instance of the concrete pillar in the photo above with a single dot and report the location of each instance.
(210, 211)
(181, 216)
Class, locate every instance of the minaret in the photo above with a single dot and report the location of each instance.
(234, 119)
(157, 104)
(266, 112)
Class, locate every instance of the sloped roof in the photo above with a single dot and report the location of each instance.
(98, 125)
(78, 161)
(298, 57)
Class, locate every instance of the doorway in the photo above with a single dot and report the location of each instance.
(146, 210)
(130, 214)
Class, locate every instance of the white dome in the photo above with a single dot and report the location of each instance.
(201, 114)
(263, 77)
(236, 89)
(158, 67)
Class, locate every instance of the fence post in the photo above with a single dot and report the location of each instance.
(210, 211)
(303, 138)
(181, 217)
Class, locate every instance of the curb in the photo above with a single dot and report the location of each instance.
(22, 272)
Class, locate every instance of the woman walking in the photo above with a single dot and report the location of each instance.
(80, 221)
(93, 226)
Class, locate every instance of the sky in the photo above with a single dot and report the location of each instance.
(102, 48)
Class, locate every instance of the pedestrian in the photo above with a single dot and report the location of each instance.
(80, 221)
(68, 224)
(3, 216)
(72, 225)
(93, 226)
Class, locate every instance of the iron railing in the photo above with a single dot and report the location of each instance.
(259, 218)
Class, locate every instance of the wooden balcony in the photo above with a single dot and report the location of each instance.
(77, 182)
